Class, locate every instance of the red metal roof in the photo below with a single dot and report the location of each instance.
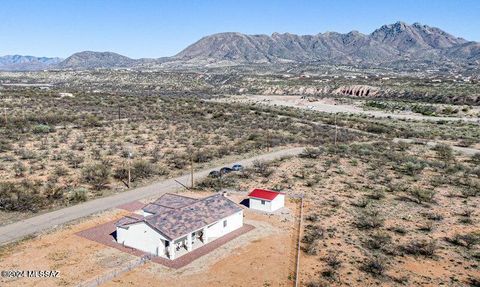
(264, 194)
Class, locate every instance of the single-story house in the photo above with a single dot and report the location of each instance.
(266, 200)
(175, 225)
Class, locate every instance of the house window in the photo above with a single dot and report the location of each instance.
(224, 223)
(263, 202)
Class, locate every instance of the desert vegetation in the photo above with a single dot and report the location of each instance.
(60, 150)
(376, 212)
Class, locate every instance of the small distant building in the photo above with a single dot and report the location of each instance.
(174, 225)
(266, 200)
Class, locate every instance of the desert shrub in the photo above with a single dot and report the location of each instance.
(42, 129)
(377, 128)
(421, 195)
(427, 226)
(20, 197)
(377, 241)
(92, 121)
(476, 158)
(444, 151)
(369, 219)
(60, 171)
(262, 168)
(411, 168)
(467, 240)
(97, 175)
(143, 169)
(311, 248)
(315, 284)
(433, 216)
(374, 266)
(467, 192)
(78, 195)
(5, 145)
(332, 260)
(310, 152)
(397, 187)
(398, 229)
(51, 191)
(26, 154)
(19, 168)
(466, 142)
(474, 282)
(74, 160)
(426, 110)
(329, 274)
(178, 161)
(361, 202)
(311, 237)
(312, 233)
(156, 154)
(313, 180)
(314, 217)
(377, 194)
(421, 247)
(216, 184)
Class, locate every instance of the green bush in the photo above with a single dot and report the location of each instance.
(421, 247)
(42, 129)
(78, 195)
(97, 175)
(20, 197)
(422, 195)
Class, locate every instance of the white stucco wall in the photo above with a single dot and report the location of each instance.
(143, 237)
(278, 202)
(256, 203)
(234, 222)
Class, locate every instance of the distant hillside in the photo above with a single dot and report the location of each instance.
(26, 63)
(91, 60)
(388, 44)
(398, 45)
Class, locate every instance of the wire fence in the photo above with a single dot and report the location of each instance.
(297, 269)
(115, 273)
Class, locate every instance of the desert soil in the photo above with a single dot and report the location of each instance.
(329, 105)
(265, 254)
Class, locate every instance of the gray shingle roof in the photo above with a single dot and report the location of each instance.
(129, 219)
(174, 200)
(178, 222)
(155, 208)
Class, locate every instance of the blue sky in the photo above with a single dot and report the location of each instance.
(162, 28)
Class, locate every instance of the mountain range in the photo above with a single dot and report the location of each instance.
(27, 63)
(388, 46)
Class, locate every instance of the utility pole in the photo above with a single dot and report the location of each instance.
(129, 168)
(5, 115)
(268, 140)
(191, 170)
(336, 131)
(118, 112)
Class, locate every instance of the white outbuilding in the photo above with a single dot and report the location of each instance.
(266, 200)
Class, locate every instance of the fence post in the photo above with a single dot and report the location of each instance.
(298, 243)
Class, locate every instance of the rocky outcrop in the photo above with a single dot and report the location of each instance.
(358, 91)
(310, 91)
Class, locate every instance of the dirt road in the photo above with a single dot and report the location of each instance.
(330, 106)
(18, 230)
(464, 150)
